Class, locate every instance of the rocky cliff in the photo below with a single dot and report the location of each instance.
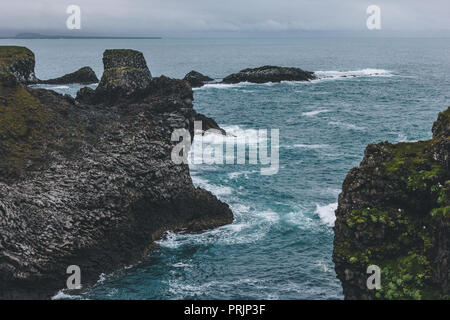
(394, 212)
(90, 181)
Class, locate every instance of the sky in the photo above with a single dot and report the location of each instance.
(209, 17)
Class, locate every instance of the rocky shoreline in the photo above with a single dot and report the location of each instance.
(394, 212)
(90, 181)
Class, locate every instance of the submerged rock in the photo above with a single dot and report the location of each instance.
(92, 185)
(269, 74)
(196, 79)
(18, 62)
(83, 75)
(394, 212)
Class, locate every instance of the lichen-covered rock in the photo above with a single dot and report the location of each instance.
(394, 212)
(83, 75)
(196, 79)
(126, 74)
(91, 185)
(269, 74)
(18, 61)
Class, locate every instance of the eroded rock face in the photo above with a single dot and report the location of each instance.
(196, 79)
(83, 75)
(126, 74)
(394, 212)
(92, 185)
(269, 74)
(19, 62)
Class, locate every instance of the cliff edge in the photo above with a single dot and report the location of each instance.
(394, 212)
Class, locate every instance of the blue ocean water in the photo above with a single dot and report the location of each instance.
(280, 244)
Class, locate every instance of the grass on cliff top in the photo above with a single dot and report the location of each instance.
(414, 161)
(8, 54)
(23, 122)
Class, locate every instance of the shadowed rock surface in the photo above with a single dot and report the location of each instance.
(269, 74)
(90, 182)
(394, 212)
(83, 75)
(196, 79)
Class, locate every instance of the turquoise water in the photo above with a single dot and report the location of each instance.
(280, 244)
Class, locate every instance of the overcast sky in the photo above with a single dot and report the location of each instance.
(165, 17)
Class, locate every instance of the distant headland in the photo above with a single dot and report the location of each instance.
(30, 35)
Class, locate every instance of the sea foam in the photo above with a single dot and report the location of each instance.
(326, 213)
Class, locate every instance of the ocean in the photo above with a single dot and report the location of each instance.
(280, 245)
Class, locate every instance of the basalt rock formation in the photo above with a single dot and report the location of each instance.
(196, 79)
(269, 74)
(90, 181)
(394, 212)
(83, 75)
(126, 75)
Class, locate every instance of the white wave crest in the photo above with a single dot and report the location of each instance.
(313, 113)
(333, 74)
(214, 189)
(326, 213)
(311, 146)
(348, 126)
(223, 85)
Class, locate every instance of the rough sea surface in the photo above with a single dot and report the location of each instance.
(280, 244)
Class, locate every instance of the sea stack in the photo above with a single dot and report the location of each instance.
(394, 213)
(90, 182)
(126, 74)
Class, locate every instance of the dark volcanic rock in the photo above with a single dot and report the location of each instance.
(126, 74)
(84, 75)
(209, 123)
(269, 74)
(19, 62)
(92, 185)
(196, 79)
(394, 212)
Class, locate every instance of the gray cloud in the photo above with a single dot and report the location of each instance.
(149, 17)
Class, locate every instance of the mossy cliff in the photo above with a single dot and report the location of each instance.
(18, 61)
(394, 212)
(90, 181)
(24, 121)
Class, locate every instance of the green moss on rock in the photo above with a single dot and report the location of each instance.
(23, 122)
(394, 213)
